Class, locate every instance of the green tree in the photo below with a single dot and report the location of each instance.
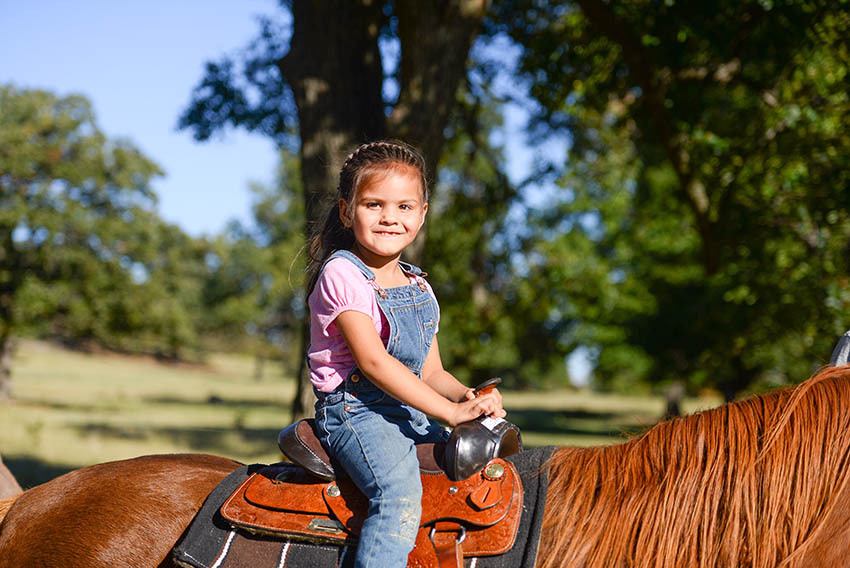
(141, 297)
(66, 192)
(718, 247)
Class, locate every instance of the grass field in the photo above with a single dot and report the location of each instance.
(74, 409)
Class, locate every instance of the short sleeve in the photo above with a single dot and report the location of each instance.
(340, 287)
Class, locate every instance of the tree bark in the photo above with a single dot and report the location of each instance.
(436, 38)
(335, 70)
(673, 396)
(11, 275)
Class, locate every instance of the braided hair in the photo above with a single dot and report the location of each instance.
(363, 165)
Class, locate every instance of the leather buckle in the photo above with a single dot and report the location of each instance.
(449, 552)
(460, 539)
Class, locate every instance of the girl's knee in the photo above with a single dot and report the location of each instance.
(409, 518)
(401, 516)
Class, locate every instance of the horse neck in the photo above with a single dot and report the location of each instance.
(748, 483)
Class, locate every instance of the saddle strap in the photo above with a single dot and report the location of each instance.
(446, 538)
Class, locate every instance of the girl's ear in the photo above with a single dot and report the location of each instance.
(343, 213)
(424, 211)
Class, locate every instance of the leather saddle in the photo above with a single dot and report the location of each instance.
(471, 502)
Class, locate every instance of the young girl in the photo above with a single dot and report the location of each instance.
(374, 360)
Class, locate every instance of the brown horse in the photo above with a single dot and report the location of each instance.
(762, 482)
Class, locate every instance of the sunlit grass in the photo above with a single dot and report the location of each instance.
(74, 409)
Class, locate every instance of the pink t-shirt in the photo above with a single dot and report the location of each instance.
(340, 287)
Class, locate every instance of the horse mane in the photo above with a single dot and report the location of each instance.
(750, 483)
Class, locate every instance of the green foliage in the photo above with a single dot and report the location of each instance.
(247, 91)
(71, 202)
(707, 182)
(85, 259)
(496, 319)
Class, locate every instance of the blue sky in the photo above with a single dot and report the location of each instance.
(138, 62)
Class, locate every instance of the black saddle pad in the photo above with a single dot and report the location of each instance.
(210, 542)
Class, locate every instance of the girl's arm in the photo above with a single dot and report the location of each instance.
(441, 380)
(444, 382)
(391, 376)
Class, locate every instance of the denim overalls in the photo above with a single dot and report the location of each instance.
(371, 435)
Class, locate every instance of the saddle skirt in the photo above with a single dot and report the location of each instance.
(476, 516)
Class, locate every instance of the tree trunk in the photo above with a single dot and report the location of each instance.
(435, 39)
(6, 349)
(739, 378)
(673, 396)
(335, 71)
(11, 277)
(639, 61)
(259, 366)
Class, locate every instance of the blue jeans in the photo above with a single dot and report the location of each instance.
(371, 436)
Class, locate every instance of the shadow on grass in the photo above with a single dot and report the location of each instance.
(218, 401)
(603, 425)
(230, 441)
(67, 406)
(243, 443)
(235, 440)
(30, 471)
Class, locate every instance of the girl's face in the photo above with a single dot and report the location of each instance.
(387, 213)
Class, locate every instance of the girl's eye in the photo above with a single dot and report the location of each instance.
(372, 205)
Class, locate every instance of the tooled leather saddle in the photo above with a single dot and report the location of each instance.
(471, 502)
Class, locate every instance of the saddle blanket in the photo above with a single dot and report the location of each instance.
(210, 542)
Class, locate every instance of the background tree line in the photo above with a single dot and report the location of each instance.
(696, 230)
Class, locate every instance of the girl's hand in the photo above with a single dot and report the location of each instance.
(495, 392)
(489, 404)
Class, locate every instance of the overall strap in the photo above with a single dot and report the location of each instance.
(365, 270)
(411, 269)
(408, 268)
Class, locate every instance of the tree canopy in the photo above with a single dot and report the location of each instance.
(707, 180)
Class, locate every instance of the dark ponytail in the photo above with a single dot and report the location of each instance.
(367, 160)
